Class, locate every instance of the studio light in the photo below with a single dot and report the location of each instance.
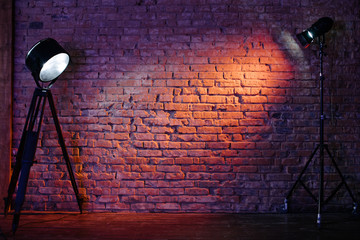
(47, 60)
(322, 26)
(318, 30)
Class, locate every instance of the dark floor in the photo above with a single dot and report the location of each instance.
(161, 226)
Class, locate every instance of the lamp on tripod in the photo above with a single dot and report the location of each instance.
(46, 60)
(317, 31)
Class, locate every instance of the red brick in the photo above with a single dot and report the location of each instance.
(186, 130)
(175, 176)
(187, 99)
(246, 169)
(171, 191)
(168, 168)
(196, 191)
(254, 99)
(209, 130)
(142, 206)
(168, 206)
(175, 153)
(213, 99)
(176, 106)
(108, 199)
(205, 115)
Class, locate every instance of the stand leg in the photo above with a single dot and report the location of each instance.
(17, 168)
(63, 148)
(14, 177)
(298, 180)
(20, 196)
(27, 153)
(340, 174)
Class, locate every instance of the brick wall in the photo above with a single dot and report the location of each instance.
(201, 105)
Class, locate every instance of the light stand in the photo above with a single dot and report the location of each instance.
(42, 72)
(321, 147)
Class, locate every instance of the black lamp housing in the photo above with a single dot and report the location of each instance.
(47, 60)
(322, 26)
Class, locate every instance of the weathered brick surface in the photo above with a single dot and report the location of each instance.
(189, 106)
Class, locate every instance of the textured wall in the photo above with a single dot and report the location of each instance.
(201, 105)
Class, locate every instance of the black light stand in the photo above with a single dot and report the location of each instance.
(321, 147)
(46, 60)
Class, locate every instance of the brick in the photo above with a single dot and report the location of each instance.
(199, 153)
(168, 168)
(193, 145)
(142, 206)
(196, 191)
(231, 115)
(175, 153)
(150, 153)
(246, 169)
(254, 99)
(209, 130)
(184, 160)
(175, 176)
(143, 136)
(213, 99)
(171, 191)
(195, 207)
(176, 106)
(168, 206)
(49, 190)
(187, 99)
(209, 115)
(108, 199)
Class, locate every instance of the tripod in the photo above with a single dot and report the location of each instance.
(27, 149)
(321, 148)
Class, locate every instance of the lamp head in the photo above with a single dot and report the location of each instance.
(322, 26)
(47, 60)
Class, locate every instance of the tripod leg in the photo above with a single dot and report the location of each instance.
(34, 107)
(27, 162)
(14, 176)
(340, 174)
(299, 179)
(63, 148)
(20, 196)
(27, 152)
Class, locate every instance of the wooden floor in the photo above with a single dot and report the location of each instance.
(161, 226)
